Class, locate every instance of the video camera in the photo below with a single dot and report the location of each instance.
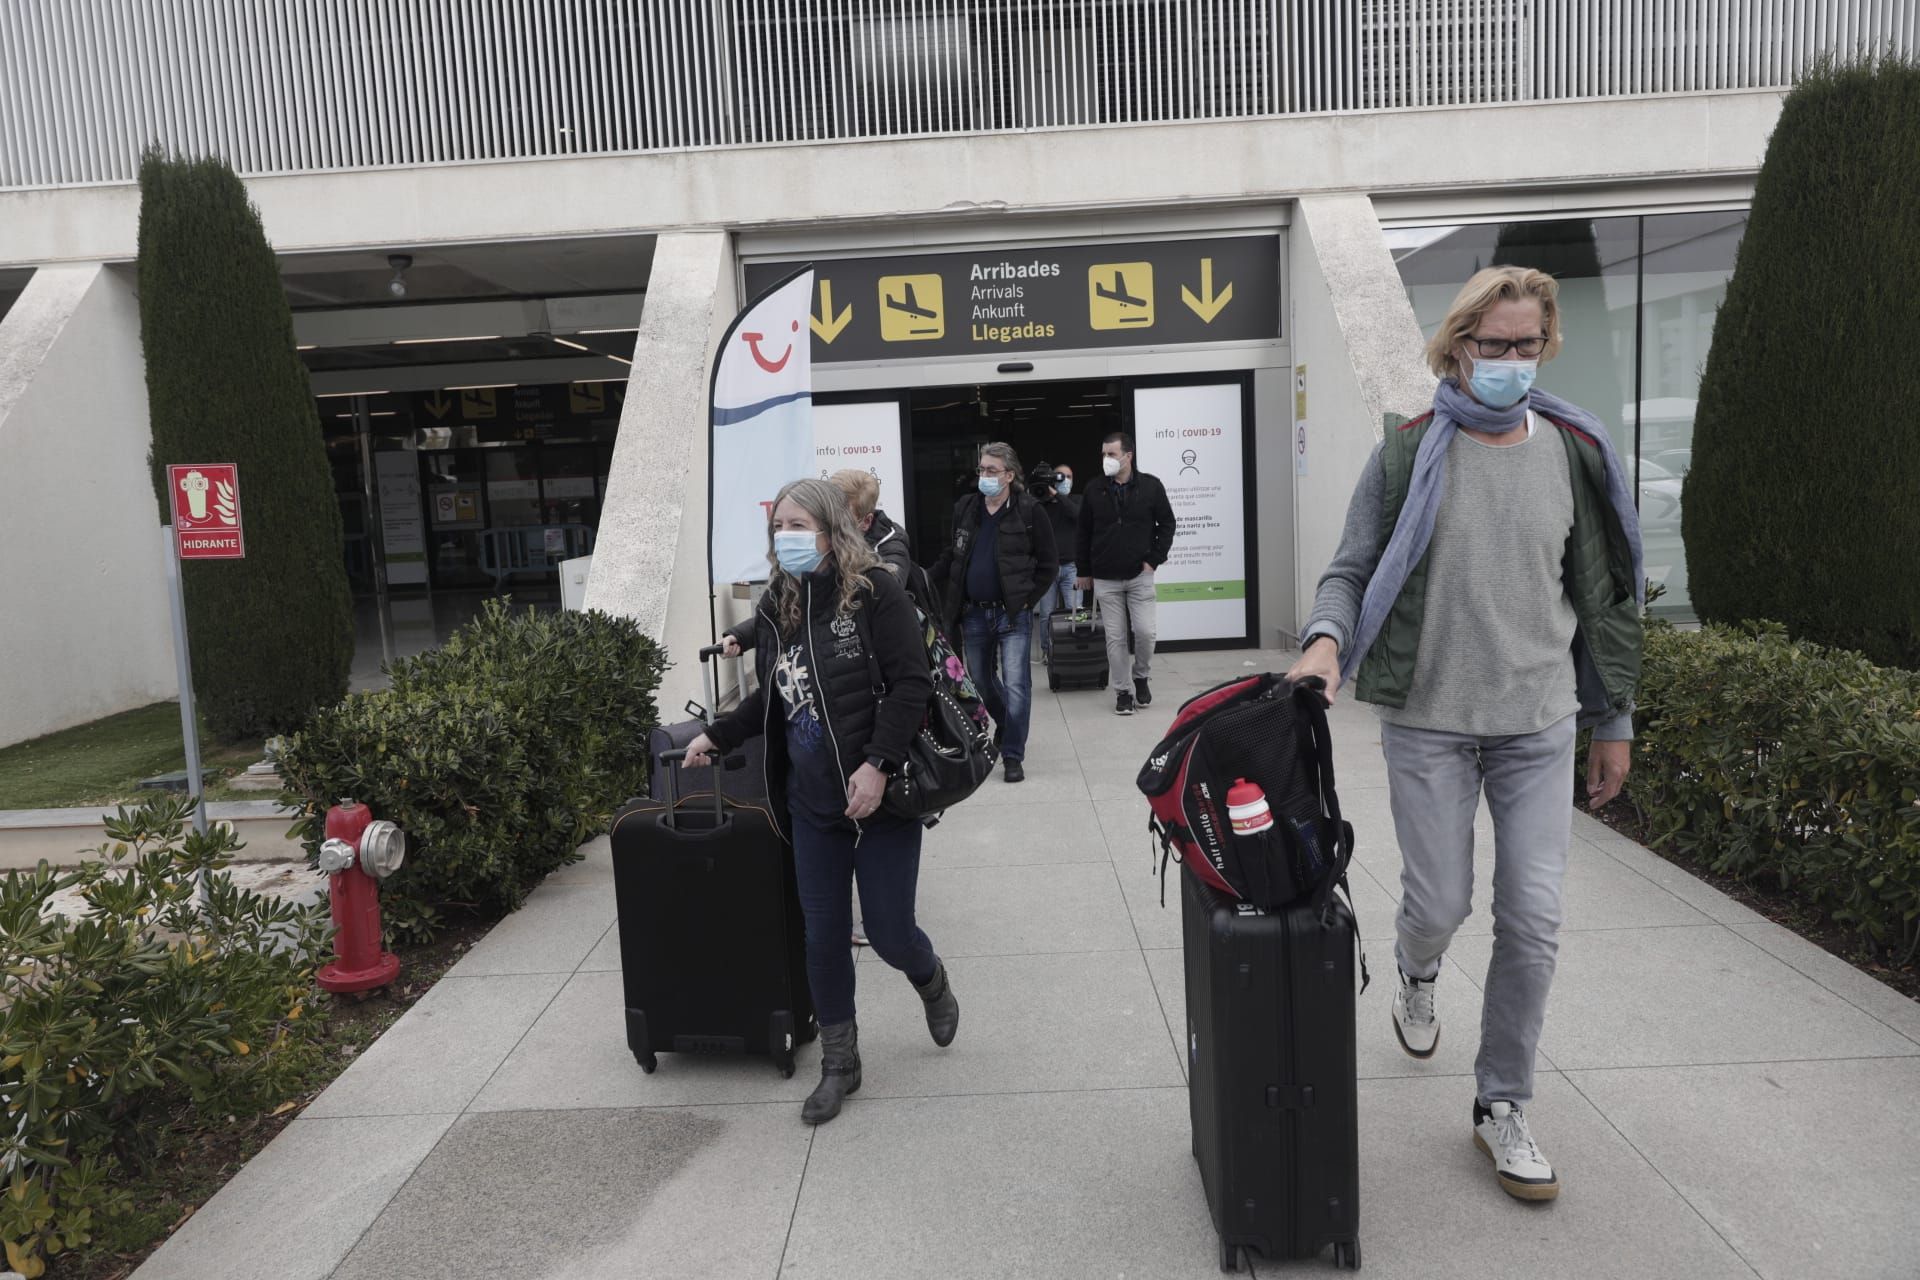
(1043, 477)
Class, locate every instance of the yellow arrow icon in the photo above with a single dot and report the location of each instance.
(438, 404)
(832, 326)
(1208, 304)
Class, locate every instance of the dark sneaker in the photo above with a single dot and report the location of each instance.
(1142, 694)
(1123, 703)
(1015, 773)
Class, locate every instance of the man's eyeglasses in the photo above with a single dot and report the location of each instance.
(988, 471)
(1494, 348)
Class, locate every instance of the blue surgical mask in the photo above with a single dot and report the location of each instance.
(1065, 486)
(1500, 384)
(989, 485)
(797, 551)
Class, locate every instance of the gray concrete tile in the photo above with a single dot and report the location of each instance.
(1682, 884)
(556, 929)
(1430, 1208)
(1169, 972)
(436, 1058)
(605, 955)
(596, 867)
(1027, 1024)
(1656, 997)
(296, 1208)
(576, 1056)
(1052, 778)
(1063, 1186)
(1861, 990)
(995, 911)
(1806, 1168)
(1013, 835)
(595, 1195)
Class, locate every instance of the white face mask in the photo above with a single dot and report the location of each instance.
(1110, 465)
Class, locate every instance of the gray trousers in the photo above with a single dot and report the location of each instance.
(1435, 780)
(1122, 602)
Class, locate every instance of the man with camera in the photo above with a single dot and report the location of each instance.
(1052, 488)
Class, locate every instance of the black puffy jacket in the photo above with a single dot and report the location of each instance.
(861, 722)
(1117, 537)
(1029, 562)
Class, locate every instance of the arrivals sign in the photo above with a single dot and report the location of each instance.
(206, 510)
(1190, 437)
(1002, 302)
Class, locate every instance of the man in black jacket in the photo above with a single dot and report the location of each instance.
(998, 566)
(1126, 532)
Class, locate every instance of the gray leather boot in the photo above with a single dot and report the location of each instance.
(839, 1071)
(943, 1011)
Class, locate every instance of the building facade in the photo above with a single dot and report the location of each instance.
(513, 233)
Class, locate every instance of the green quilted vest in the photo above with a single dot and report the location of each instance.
(1597, 570)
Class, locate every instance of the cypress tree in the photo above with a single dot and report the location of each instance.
(272, 635)
(1803, 501)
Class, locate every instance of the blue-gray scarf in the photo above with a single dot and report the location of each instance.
(1452, 409)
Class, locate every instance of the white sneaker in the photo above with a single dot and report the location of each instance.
(1414, 1020)
(860, 933)
(1501, 1132)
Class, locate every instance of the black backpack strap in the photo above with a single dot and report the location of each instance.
(864, 629)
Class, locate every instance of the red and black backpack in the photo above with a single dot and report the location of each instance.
(1260, 730)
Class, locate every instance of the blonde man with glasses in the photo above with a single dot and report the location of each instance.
(1486, 598)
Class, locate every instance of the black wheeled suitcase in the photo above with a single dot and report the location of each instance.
(1271, 1074)
(1079, 649)
(712, 944)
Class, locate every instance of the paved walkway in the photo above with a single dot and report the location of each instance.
(1722, 1099)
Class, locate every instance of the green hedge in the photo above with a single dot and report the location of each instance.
(1800, 503)
(272, 635)
(498, 754)
(1771, 759)
(139, 1006)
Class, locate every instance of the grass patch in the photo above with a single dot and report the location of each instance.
(102, 763)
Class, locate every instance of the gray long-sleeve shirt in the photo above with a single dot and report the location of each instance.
(1496, 652)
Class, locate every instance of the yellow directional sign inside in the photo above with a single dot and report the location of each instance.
(1120, 295)
(912, 308)
(827, 326)
(1207, 304)
(477, 402)
(438, 405)
(587, 397)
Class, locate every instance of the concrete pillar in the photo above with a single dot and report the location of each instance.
(650, 557)
(85, 626)
(1355, 331)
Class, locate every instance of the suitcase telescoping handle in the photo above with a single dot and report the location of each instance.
(678, 757)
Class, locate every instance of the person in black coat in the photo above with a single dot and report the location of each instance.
(997, 568)
(1126, 533)
(843, 687)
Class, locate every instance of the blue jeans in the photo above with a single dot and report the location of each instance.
(1060, 595)
(996, 646)
(886, 865)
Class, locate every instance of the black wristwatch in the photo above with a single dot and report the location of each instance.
(878, 763)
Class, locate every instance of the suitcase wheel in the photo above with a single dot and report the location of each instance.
(1346, 1255)
(780, 1042)
(1053, 679)
(648, 1063)
(1229, 1256)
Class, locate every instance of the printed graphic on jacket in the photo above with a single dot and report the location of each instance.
(794, 681)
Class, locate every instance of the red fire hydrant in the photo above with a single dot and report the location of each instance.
(357, 854)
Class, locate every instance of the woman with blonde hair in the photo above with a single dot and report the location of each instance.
(830, 620)
(1486, 598)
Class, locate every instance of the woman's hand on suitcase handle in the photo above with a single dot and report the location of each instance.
(730, 646)
(864, 790)
(1322, 659)
(700, 752)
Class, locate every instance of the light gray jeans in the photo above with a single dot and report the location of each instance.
(1121, 602)
(1435, 780)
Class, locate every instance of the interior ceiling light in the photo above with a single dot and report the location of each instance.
(335, 395)
(421, 342)
(628, 329)
(577, 346)
(484, 386)
(399, 262)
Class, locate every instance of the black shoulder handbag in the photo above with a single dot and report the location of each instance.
(953, 752)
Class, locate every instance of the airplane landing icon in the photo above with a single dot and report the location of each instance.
(912, 308)
(1120, 295)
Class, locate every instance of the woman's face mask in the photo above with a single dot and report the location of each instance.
(797, 550)
(1499, 384)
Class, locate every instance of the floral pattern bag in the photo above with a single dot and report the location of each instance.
(954, 751)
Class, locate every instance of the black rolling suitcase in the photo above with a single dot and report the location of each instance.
(1079, 649)
(712, 944)
(1271, 1074)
